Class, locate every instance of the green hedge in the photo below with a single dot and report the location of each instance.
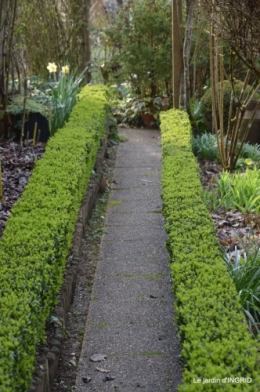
(38, 237)
(215, 340)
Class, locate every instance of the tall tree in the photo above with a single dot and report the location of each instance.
(8, 12)
(177, 61)
(181, 51)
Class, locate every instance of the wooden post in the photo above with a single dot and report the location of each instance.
(1, 185)
(34, 133)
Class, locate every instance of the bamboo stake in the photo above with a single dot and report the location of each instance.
(1, 184)
(34, 133)
(38, 137)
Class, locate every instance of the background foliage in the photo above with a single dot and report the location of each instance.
(139, 43)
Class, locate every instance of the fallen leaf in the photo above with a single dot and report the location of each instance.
(98, 357)
(146, 180)
(102, 370)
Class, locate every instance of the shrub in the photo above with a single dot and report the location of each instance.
(139, 39)
(215, 339)
(38, 237)
(206, 103)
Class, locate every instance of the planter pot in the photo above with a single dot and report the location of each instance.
(42, 125)
(253, 136)
(149, 120)
(165, 104)
(42, 134)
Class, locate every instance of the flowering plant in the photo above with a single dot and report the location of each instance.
(62, 93)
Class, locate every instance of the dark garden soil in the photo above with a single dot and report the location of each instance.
(17, 163)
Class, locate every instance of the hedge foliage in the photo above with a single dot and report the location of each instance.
(215, 340)
(38, 237)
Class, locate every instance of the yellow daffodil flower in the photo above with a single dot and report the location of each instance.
(248, 161)
(65, 69)
(52, 67)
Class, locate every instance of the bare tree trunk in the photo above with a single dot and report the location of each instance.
(186, 56)
(3, 11)
(176, 51)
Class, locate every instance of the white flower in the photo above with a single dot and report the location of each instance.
(52, 67)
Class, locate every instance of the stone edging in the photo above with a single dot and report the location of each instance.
(46, 364)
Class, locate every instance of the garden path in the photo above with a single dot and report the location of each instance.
(130, 318)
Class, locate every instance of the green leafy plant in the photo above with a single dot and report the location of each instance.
(129, 110)
(64, 96)
(139, 46)
(238, 190)
(195, 107)
(245, 273)
(206, 147)
(251, 151)
(16, 107)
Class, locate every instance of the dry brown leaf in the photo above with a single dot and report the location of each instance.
(102, 370)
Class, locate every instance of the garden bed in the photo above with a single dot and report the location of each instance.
(234, 229)
(17, 165)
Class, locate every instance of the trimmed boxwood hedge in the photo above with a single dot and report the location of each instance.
(38, 237)
(215, 340)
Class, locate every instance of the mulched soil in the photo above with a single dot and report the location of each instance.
(17, 164)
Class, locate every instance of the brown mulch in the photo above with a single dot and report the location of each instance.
(17, 164)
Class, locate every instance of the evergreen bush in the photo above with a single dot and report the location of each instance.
(38, 237)
(216, 342)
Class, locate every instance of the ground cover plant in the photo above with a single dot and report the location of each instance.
(38, 236)
(216, 342)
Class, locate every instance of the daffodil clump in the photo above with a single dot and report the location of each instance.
(52, 68)
(64, 89)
